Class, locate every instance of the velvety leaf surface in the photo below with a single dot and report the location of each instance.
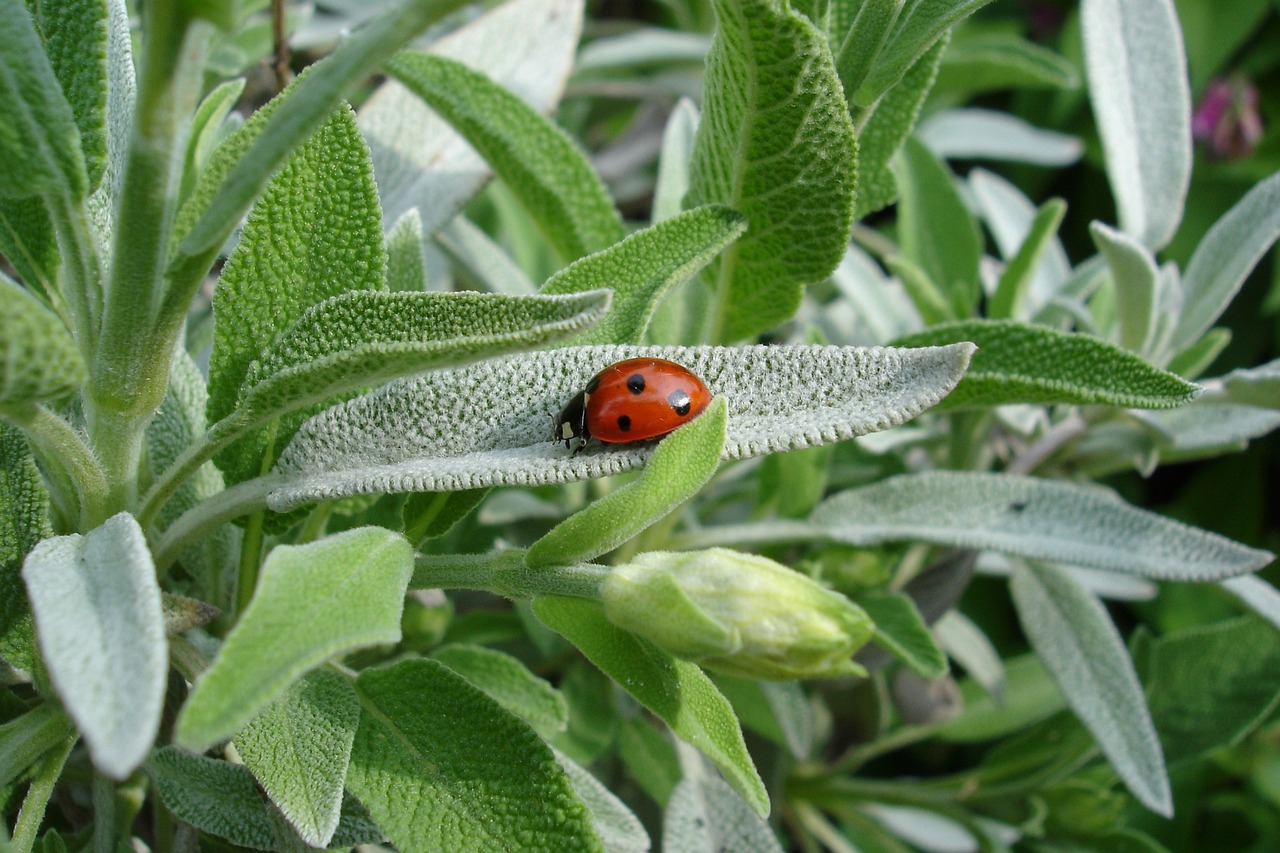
(677, 691)
(27, 737)
(429, 434)
(1035, 518)
(101, 630)
(619, 829)
(1024, 363)
(900, 630)
(1134, 276)
(313, 603)
(24, 521)
(443, 767)
(776, 144)
(510, 683)
(997, 60)
(707, 814)
(39, 360)
(1257, 386)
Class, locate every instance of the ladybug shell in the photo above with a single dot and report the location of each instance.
(633, 400)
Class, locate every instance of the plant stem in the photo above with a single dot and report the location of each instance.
(220, 435)
(504, 573)
(250, 559)
(31, 815)
(104, 814)
(82, 289)
(68, 461)
(199, 521)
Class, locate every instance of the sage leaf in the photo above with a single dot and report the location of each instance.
(313, 603)
(39, 360)
(1010, 217)
(483, 258)
(458, 772)
(1134, 276)
(1010, 299)
(901, 631)
(510, 683)
(1256, 386)
(413, 435)
(406, 264)
(861, 43)
(677, 691)
(28, 243)
(776, 144)
(101, 629)
(1258, 595)
(1033, 518)
(1072, 633)
(707, 814)
(1025, 363)
(979, 134)
(618, 827)
(1208, 428)
(644, 267)
(1029, 696)
(24, 521)
(991, 61)
(680, 466)
(1142, 103)
(537, 160)
(298, 749)
(28, 736)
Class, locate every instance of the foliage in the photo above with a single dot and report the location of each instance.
(288, 559)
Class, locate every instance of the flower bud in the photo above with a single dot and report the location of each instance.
(737, 613)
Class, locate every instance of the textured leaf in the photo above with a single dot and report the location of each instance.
(39, 360)
(1034, 518)
(861, 43)
(1072, 633)
(28, 243)
(484, 260)
(206, 127)
(916, 31)
(539, 162)
(1261, 597)
(644, 267)
(313, 603)
(680, 466)
(24, 521)
(1257, 386)
(28, 736)
(776, 144)
(1010, 298)
(40, 151)
(412, 436)
(1142, 103)
(1010, 217)
(510, 683)
(888, 127)
(315, 233)
(458, 772)
(1004, 61)
(1024, 363)
(101, 629)
(406, 264)
(974, 133)
(706, 814)
(900, 630)
(1225, 257)
(677, 691)
(1208, 429)
(526, 46)
(1134, 276)
(619, 829)
(298, 750)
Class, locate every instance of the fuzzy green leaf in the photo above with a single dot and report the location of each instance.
(1072, 633)
(679, 467)
(28, 736)
(39, 360)
(458, 772)
(706, 814)
(510, 683)
(644, 267)
(1029, 696)
(101, 629)
(1004, 61)
(28, 243)
(618, 827)
(901, 630)
(223, 799)
(974, 133)
(206, 126)
(315, 233)
(861, 43)
(1034, 518)
(24, 521)
(537, 160)
(1256, 386)
(1137, 71)
(1134, 276)
(1024, 363)
(1256, 594)
(935, 229)
(298, 749)
(406, 264)
(410, 436)
(1010, 298)
(40, 151)
(677, 691)
(313, 603)
(776, 144)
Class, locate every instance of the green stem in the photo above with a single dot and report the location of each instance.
(779, 532)
(220, 435)
(67, 459)
(199, 521)
(104, 814)
(82, 289)
(31, 815)
(504, 573)
(250, 559)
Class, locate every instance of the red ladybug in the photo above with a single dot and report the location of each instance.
(630, 401)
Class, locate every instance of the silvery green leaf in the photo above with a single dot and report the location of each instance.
(1072, 633)
(673, 161)
(39, 360)
(101, 630)
(706, 814)
(879, 301)
(1034, 518)
(526, 46)
(619, 829)
(1110, 585)
(413, 435)
(641, 46)
(406, 265)
(1208, 428)
(1010, 296)
(1141, 100)
(1225, 257)
(980, 134)
(1134, 277)
(121, 91)
(1009, 215)
(1255, 386)
(1261, 597)
(1000, 60)
(483, 258)
(24, 521)
(966, 644)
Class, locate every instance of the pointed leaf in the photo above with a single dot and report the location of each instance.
(313, 603)
(706, 814)
(900, 630)
(39, 360)
(1133, 273)
(1072, 633)
(1257, 386)
(28, 736)
(679, 467)
(510, 683)
(1035, 518)
(644, 267)
(537, 160)
(675, 690)
(406, 265)
(1025, 363)
(101, 629)
(1258, 595)
(409, 436)
(24, 521)
(619, 829)
(1137, 73)
(458, 772)
(1002, 61)
(860, 46)
(776, 144)
(1010, 298)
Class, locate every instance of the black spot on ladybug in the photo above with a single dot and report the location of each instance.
(680, 402)
(635, 383)
(624, 423)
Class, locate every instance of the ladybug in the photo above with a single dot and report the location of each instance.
(631, 400)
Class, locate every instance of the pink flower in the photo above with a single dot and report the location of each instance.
(1227, 118)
